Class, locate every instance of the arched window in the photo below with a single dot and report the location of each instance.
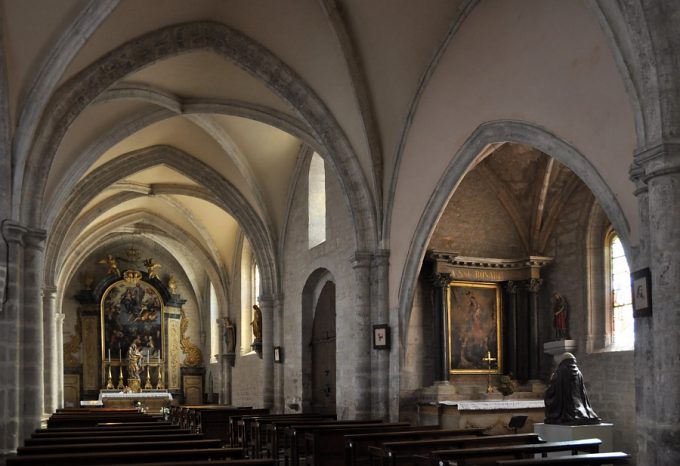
(250, 290)
(214, 326)
(316, 201)
(619, 302)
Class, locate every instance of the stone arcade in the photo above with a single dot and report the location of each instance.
(427, 175)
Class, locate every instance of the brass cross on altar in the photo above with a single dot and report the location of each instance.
(488, 359)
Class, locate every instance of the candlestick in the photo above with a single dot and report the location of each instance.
(120, 355)
(109, 356)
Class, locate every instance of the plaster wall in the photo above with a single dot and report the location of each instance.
(299, 262)
(543, 62)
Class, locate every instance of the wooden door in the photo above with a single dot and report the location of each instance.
(323, 352)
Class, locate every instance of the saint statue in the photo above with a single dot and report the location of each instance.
(134, 359)
(560, 316)
(257, 323)
(566, 400)
(229, 335)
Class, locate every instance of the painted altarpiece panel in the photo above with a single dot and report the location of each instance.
(475, 327)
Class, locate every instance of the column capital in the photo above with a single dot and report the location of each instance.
(13, 232)
(441, 279)
(49, 291)
(657, 159)
(512, 286)
(534, 285)
(381, 257)
(35, 238)
(59, 317)
(361, 259)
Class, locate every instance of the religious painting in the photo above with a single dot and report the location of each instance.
(641, 282)
(475, 328)
(131, 310)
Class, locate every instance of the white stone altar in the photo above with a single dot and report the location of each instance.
(493, 415)
(561, 433)
(152, 400)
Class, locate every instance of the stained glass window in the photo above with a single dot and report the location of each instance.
(621, 303)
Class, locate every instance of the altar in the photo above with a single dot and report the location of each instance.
(151, 400)
(493, 415)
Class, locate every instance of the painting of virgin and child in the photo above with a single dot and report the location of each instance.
(474, 320)
(131, 312)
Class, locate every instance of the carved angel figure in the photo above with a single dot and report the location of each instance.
(112, 264)
(151, 267)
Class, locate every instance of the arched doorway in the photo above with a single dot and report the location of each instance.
(324, 351)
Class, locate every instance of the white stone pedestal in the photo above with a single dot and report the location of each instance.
(559, 433)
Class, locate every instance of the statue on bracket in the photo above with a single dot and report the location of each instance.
(257, 323)
(560, 309)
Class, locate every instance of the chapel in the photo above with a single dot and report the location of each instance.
(402, 211)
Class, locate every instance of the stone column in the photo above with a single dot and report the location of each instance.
(59, 319)
(380, 359)
(278, 368)
(644, 337)
(661, 165)
(441, 282)
(51, 378)
(10, 356)
(534, 286)
(361, 340)
(267, 308)
(33, 388)
(512, 288)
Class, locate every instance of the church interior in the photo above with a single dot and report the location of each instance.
(405, 212)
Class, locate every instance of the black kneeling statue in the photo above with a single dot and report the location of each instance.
(566, 401)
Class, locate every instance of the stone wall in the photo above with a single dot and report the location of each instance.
(609, 376)
(299, 263)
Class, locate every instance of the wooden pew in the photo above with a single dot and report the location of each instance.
(92, 419)
(356, 445)
(69, 440)
(272, 441)
(592, 459)
(246, 431)
(109, 432)
(326, 441)
(233, 429)
(490, 455)
(231, 462)
(166, 457)
(100, 447)
(277, 441)
(401, 453)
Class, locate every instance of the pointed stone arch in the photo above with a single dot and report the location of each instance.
(489, 133)
(218, 191)
(81, 90)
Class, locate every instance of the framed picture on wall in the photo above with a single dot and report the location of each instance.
(475, 327)
(381, 336)
(277, 354)
(641, 282)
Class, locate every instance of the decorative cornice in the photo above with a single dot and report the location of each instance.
(486, 268)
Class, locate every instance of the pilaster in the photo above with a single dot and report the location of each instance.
(441, 282)
(533, 287)
(267, 307)
(656, 172)
(50, 379)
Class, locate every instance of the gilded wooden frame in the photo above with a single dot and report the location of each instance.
(144, 319)
(475, 323)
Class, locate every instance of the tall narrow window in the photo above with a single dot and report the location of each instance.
(214, 326)
(250, 292)
(620, 302)
(317, 201)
